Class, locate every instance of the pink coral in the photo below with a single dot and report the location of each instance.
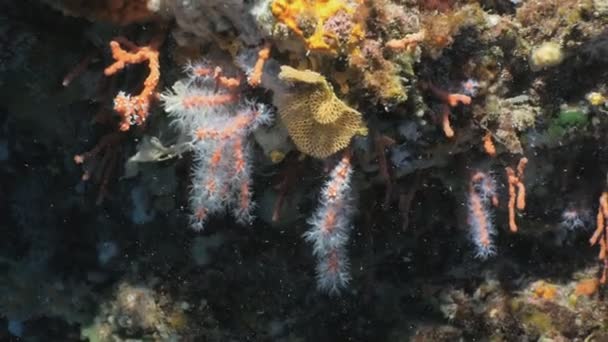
(208, 109)
(331, 225)
(482, 192)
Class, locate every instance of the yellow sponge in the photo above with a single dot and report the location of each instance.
(308, 19)
(319, 123)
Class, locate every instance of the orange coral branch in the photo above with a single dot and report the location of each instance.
(449, 100)
(231, 128)
(479, 211)
(109, 150)
(601, 217)
(135, 109)
(452, 99)
(221, 81)
(601, 234)
(480, 177)
(225, 82)
(488, 145)
(445, 122)
(217, 73)
(512, 194)
(407, 42)
(214, 100)
(517, 191)
(256, 75)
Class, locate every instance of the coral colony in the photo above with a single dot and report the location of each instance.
(208, 108)
(134, 109)
(330, 228)
(482, 195)
(212, 108)
(243, 170)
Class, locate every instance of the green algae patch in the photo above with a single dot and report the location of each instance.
(571, 117)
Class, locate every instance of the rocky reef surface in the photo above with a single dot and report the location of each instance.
(297, 170)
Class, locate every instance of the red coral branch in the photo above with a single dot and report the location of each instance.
(449, 100)
(100, 162)
(135, 109)
(517, 191)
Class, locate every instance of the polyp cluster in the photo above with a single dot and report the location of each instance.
(207, 108)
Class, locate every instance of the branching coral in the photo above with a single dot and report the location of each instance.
(331, 225)
(208, 109)
(215, 122)
(101, 162)
(517, 191)
(256, 73)
(408, 42)
(318, 122)
(488, 144)
(482, 193)
(601, 235)
(134, 109)
(449, 100)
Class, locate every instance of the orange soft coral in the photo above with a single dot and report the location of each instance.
(101, 162)
(449, 100)
(406, 43)
(488, 145)
(600, 235)
(135, 109)
(256, 75)
(517, 191)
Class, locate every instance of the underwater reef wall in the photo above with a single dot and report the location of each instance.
(386, 170)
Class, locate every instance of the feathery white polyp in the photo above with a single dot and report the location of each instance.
(482, 194)
(330, 229)
(208, 109)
